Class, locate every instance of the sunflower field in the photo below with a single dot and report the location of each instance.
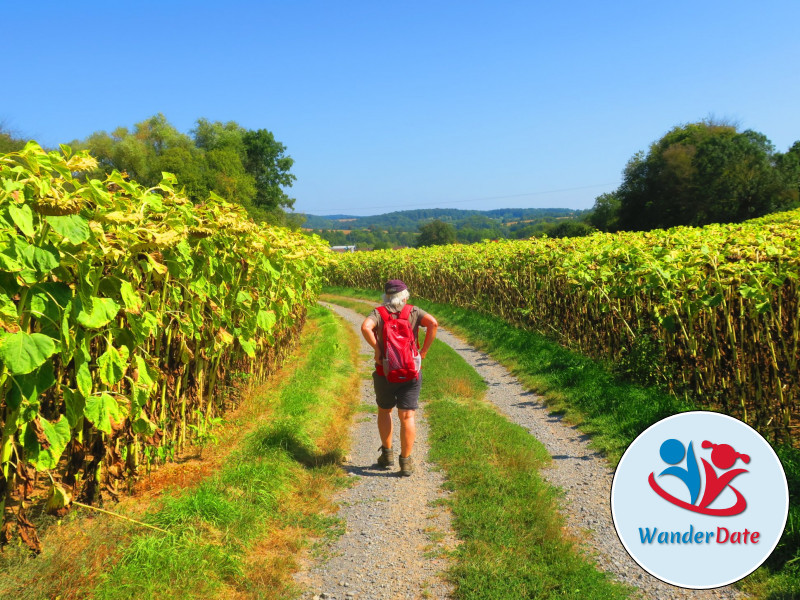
(127, 315)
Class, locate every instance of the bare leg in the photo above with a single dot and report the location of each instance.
(408, 431)
(385, 426)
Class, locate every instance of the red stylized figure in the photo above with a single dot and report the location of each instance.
(724, 457)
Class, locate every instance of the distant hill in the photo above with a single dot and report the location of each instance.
(410, 220)
(401, 228)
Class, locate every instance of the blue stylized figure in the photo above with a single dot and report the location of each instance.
(672, 452)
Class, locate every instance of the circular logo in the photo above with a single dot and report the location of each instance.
(699, 500)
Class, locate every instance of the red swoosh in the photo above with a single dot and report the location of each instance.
(737, 508)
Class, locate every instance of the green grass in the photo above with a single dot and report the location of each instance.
(779, 578)
(504, 513)
(607, 407)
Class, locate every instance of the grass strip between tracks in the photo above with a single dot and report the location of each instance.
(237, 533)
(513, 543)
(610, 409)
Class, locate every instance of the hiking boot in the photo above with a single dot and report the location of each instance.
(386, 459)
(406, 466)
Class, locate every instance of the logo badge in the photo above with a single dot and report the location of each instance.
(699, 500)
(723, 456)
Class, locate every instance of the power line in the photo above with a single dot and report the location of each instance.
(425, 204)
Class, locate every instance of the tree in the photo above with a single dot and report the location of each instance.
(697, 174)
(227, 176)
(154, 146)
(605, 213)
(9, 142)
(212, 136)
(569, 228)
(267, 162)
(470, 235)
(436, 233)
(789, 167)
(247, 167)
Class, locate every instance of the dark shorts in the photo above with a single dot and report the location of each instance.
(402, 395)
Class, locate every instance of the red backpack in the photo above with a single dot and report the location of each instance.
(401, 358)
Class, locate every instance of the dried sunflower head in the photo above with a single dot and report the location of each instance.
(200, 232)
(57, 207)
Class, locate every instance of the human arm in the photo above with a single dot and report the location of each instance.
(431, 325)
(368, 331)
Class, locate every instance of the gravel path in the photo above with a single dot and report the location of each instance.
(393, 531)
(382, 553)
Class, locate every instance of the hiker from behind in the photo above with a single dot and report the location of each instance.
(391, 329)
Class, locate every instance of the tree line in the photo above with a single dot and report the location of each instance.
(475, 227)
(410, 220)
(701, 173)
(249, 167)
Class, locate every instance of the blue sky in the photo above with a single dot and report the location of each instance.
(386, 106)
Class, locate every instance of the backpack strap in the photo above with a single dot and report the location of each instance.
(383, 312)
(406, 312)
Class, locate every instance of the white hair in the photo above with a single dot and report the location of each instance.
(395, 302)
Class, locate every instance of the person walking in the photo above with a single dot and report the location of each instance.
(399, 387)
